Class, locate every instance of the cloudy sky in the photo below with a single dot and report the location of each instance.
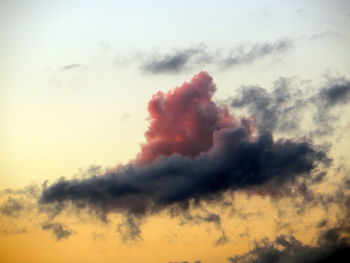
(174, 131)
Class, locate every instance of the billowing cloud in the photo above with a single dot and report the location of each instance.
(195, 151)
(183, 120)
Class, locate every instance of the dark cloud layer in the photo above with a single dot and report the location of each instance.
(235, 163)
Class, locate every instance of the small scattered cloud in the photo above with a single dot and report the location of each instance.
(72, 66)
(59, 230)
(248, 54)
(174, 62)
(12, 207)
(223, 239)
(129, 229)
(125, 116)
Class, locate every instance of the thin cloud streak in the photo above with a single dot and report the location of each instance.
(187, 59)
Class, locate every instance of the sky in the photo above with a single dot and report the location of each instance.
(174, 131)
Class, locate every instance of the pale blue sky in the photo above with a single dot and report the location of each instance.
(48, 33)
(56, 121)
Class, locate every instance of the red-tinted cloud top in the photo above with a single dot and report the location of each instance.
(183, 120)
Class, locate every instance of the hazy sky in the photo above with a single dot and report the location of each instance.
(76, 80)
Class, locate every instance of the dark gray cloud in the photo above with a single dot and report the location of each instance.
(283, 108)
(236, 162)
(206, 217)
(336, 94)
(173, 62)
(331, 247)
(59, 230)
(278, 110)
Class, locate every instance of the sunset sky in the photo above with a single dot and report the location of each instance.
(174, 131)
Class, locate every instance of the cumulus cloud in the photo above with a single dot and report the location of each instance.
(183, 120)
(191, 155)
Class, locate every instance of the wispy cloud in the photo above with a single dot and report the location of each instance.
(190, 58)
(58, 229)
(72, 66)
(248, 54)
